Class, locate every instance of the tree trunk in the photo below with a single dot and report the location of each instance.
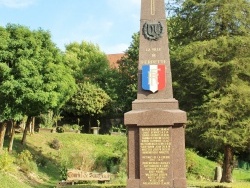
(3, 126)
(8, 129)
(27, 125)
(13, 125)
(227, 164)
(56, 121)
(32, 126)
(89, 128)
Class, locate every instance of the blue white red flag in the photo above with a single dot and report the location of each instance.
(153, 77)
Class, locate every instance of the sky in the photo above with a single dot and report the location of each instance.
(109, 24)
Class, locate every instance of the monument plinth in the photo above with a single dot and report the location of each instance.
(156, 139)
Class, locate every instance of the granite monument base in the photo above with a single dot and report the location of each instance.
(156, 144)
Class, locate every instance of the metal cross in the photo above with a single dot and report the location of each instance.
(152, 7)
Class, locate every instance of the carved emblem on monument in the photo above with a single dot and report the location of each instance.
(152, 31)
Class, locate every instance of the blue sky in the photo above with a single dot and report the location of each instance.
(107, 23)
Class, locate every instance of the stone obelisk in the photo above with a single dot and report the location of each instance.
(156, 139)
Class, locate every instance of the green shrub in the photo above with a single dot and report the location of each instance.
(47, 120)
(83, 160)
(6, 161)
(107, 163)
(59, 129)
(118, 128)
(63, 172)
(120, 148)
(55, 144)
(112, 164)
(114, 161)
(119, 178)
(26, 163)
(74, 127)
(41, 161)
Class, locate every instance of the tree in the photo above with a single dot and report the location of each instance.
(90, 64)
(210, 61)
(88, 100)
(36, 79)
(87, 62)
(199, 20)
(128, 70)
(8, 110)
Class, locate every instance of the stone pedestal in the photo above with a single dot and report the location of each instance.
(218, 174)
(95, 130)
(156, 137)
(156, 145)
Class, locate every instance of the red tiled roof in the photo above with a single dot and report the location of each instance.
(114, 59)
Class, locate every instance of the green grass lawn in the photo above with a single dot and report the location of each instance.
(90, 151)
(241, 179)
(8, 181)
(209, 184)
(86, 149)
(201, 173)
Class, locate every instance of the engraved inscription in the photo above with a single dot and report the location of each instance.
(154, 62)
(153, 49)
(155, 148)
(156, 49)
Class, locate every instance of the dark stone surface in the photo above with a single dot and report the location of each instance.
(156, 134)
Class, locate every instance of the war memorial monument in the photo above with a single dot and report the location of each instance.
(156, 125)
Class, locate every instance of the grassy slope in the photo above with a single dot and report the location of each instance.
(199, 167)
(200, 170)
(72, 145)
(10, 181)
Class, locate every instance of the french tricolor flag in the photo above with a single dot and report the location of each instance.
(153, 77)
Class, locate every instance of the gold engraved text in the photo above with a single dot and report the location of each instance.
(156, 61)
(155, 150)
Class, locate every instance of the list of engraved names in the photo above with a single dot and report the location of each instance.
(155, 149)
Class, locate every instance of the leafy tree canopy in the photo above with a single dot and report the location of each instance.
(128, 70)
(198, 20)
(210, 54)
(88, 100)
(87, 62)
(33, 78)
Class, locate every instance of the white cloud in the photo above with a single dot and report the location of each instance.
(16, 3)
